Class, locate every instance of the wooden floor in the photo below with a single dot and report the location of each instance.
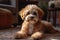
(8, 34)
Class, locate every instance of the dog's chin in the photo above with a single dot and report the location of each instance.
(32, 22)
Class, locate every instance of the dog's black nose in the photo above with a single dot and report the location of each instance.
(32, 17)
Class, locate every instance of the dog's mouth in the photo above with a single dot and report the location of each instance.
(32, 20)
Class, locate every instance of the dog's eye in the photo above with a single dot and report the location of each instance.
(34, 13)
(28, 13)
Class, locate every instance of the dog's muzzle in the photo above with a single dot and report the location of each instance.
(31, 18)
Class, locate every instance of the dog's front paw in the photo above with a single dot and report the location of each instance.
(37, 36)
(20, 35)
(34, 38)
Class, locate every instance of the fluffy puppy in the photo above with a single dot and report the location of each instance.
(33, 25)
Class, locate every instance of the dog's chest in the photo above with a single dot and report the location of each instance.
(31, 27)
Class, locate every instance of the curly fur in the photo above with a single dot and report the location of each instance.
(35, 27)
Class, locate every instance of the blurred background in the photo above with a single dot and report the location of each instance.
(51, 9)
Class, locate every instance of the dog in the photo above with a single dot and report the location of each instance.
(33, 24)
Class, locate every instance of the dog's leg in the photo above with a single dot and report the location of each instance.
(23, 32)
(37, 35)
(50, 28)
(20, 35)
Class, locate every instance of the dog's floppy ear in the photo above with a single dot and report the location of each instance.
(40, 12)
(22, 13)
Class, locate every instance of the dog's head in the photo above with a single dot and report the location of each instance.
(31, 13)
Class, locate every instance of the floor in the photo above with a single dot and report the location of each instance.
(8, 34)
